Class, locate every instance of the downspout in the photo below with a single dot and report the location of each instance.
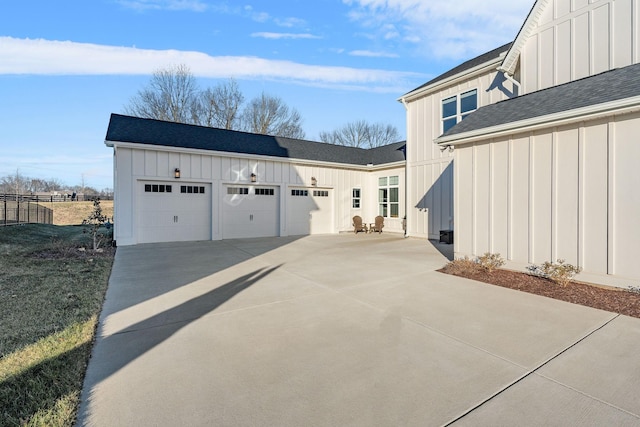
(406, 180)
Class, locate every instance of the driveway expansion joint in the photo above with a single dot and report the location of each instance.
(534, 371)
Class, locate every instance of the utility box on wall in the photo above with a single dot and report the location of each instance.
(446, 236)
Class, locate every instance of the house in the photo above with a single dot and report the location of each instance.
(178, 182)
(529, 150)
(535, 144)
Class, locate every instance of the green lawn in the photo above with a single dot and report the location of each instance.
(51, 293)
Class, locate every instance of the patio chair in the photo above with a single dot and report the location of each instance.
(378, 225)
(358, 225)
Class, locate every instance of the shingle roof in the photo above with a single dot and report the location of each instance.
(156, 132)
(606, 87)
(478, 60)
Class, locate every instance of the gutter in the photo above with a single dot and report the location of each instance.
(510, 78)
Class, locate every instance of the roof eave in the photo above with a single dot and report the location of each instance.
(470, 73)
(592, 112)
(167, 148)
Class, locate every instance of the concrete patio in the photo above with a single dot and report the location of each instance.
(346, 330)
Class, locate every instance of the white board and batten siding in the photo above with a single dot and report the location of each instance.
(141, 215)
(567, 193)
(577, 39)
(429, 168)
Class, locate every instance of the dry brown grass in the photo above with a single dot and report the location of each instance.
(72, 213)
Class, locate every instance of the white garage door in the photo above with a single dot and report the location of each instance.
(170, 212)
(310, 211)
(250, 211)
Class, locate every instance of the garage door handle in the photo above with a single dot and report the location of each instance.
(175, 218)
(251, 217)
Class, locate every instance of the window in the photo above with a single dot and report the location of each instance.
(300, 193)
(264, 192)
(355, 198)
(388, 197)
(191, 189)
(456, 108)
(321, 193)
(237, 190)
(157, 188)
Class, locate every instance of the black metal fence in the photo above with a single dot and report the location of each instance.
(22, 209)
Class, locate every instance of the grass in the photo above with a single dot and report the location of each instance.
(50, 297)
(72, 213)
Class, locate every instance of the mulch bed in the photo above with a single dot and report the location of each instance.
(618, 301)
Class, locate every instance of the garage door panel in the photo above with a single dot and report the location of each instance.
(310, 211)
(250, 211)
(169, 212)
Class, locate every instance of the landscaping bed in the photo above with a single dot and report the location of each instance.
(621, 301)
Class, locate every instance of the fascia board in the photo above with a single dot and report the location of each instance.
(467, 74)
(228, 154)
(511, 58)
(626, 105)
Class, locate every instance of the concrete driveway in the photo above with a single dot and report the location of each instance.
(346, 330)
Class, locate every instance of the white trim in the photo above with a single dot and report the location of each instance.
(508, 65)
(626, 105)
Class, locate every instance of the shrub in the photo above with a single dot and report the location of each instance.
(490, 262)
(559, 272)
(462, 266)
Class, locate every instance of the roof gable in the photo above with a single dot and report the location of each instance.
(511, 59)
(138, 130)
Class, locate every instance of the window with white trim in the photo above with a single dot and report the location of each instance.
(388, 197)
(355, 198)
(456, 108)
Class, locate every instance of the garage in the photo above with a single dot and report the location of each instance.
(170, 212)
(310, 211)
(250, 211)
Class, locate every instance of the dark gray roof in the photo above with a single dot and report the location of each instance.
(606, 87)
(478, 60)
(156, 132)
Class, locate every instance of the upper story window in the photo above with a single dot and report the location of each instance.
(456, 108)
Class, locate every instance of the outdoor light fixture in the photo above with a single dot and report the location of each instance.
(314, 181)
(254, 177)
(176, 173)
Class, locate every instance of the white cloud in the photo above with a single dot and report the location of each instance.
(371, 54)
(449, 29)
(46, 57)
(141, 5)
(276, 36)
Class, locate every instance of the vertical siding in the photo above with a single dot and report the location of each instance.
(594, 196)
(429, 168)
(579, 38)
(569, 192)
(625, 204)
(150, 164)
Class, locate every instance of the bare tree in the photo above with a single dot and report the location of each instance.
(269, 115)
(172, 95)
(362, 134)
(220, 107)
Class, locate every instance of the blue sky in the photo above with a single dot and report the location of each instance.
(66, 65)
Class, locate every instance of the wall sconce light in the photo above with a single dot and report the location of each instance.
(314, 181)
(254, 177)
(176, 173)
